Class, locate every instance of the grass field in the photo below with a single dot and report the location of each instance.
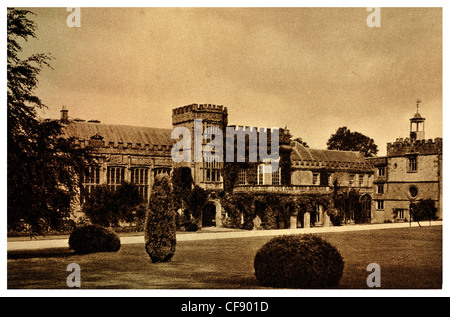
(409, 258)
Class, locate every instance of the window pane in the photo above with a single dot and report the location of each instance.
(97, 175)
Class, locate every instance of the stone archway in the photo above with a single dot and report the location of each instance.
(366, 206)
(212, 214)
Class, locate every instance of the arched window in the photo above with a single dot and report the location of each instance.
(366, 204)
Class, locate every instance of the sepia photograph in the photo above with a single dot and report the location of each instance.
(269, 148)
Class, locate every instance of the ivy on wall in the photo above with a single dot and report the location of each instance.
(273, 209)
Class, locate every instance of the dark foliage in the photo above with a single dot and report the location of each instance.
(191, 225)
(297, 261)
(106, 207)
(236, 205)
(336, 216)
(181, 186)
(44, 170)
(285, 165)
(230, 172)
(160, 224)
(273, 209)
(348, 206)
(346, 140)
(196, 201)
(424, 209)
(94, 238)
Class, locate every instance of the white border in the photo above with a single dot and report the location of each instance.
(207, 292)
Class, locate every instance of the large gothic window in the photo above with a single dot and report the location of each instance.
(115, 176)
(91, 180)
(139, 177)
(211, 171)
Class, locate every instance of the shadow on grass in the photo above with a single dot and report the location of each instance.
(410, 258)
(41, 253)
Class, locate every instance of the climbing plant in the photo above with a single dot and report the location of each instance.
(182, 185)
(273, 209)
(348, 207)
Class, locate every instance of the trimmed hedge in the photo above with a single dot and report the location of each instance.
(94, 238)
(298, 261)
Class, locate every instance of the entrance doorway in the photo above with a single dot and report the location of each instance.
(366, 206)
(209, 215)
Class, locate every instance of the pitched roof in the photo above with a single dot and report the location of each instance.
(119, 133)
(417, 116)
(331, 158)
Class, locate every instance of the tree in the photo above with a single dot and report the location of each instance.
(128, 200)
(106, 207)
(347, 206)
(424, 209)
(98, 207)
(22, 74)
(45, 170)
(160, 225)
(300, 140)
(346, 140)
(196, 202)
(181, 185)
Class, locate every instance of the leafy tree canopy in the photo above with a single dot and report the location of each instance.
(424, 209)
(45, 170)
(346, 140)
(106, 207)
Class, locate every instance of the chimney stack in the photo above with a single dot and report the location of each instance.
(64, 115)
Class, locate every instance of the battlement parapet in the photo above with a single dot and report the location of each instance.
(409, 146)
(255, 129)
(198, 107)
(216, 114)
(284, 135)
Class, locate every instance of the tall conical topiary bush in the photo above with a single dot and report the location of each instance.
(160, 225)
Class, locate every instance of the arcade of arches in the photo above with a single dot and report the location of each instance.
(261, 212)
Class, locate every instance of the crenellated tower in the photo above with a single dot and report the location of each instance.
(205, 174)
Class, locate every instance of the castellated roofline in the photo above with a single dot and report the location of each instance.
(253, 128)
(411, 146)
(409, 141)
(198, 107)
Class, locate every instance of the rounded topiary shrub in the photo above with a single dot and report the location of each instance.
(298, 261)
(94, 238)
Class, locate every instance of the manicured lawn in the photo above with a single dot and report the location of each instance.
(408, 258)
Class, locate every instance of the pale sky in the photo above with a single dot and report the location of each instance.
(310, 69)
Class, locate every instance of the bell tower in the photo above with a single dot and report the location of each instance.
(417, 125)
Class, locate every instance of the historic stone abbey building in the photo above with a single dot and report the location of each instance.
(411, 170)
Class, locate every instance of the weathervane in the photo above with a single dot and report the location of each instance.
(418, 101)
